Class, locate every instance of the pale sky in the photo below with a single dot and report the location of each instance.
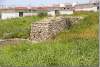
(38, 2)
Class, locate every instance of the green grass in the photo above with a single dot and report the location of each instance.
(17, 27)
(90, 21)
(77, 46)
(74, 52)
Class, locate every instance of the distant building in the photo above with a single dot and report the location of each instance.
(52, 10)
(6, 13)
(60, 9)
(86, 7)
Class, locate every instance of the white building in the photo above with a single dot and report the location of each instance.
(86, 7)
(7, 13)
(60, 9)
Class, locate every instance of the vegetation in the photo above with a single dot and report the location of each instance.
(42, 14)
(17, 27)
(77, 46)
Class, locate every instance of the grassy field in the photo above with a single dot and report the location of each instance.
(77, 46)
(17, 27)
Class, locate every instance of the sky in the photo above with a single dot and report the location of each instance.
(37, 2)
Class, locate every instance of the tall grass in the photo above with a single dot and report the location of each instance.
(75, 53)
(17, 27)
(77, 46)
(90, 21)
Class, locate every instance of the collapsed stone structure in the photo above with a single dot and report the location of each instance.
(49, 27)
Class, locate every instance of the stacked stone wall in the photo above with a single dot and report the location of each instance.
(48, 28)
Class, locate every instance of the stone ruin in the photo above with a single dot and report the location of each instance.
(49, 27)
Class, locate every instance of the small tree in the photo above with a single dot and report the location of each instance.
(42, 14)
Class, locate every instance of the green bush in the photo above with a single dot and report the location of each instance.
(41, 14)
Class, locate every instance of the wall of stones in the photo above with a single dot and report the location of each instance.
(39, 31)
(57, 26)
(48, 28)
(45, 30)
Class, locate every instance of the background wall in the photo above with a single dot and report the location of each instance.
(66, 12)
(9, 15)
(30, 14)
(87, 9)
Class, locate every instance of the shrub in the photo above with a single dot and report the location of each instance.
(41, 14)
